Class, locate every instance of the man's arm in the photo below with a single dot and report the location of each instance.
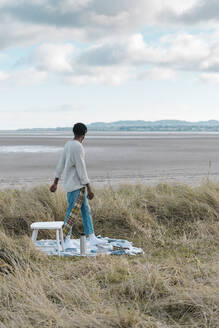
(82, 171)
(59, 169)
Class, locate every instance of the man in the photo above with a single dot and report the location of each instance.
(76, 183)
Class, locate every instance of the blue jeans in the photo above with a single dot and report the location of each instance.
(85, 210)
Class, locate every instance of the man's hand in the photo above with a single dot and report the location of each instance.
(53, 187)
(90, 194)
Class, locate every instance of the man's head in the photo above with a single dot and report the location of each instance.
(79, 130)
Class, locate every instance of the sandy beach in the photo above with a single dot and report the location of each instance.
(112, 158)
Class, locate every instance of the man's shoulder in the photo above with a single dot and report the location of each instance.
(75, 145)
(67, 144)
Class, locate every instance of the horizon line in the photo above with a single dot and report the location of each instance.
(113, 122)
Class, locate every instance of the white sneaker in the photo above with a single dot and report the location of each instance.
(93, 240)
(67, 242)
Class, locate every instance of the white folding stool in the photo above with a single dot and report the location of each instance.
(50, 225)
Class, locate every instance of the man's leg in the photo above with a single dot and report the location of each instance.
(72, 198)
(88, 222)
(86, 216)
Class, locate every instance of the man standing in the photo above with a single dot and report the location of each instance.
(76, 183)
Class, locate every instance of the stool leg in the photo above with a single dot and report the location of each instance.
(34, 235)
(57, 239)
(62, 240)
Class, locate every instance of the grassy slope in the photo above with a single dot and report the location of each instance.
(175, 284)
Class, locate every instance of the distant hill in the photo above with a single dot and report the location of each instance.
(147, 126)
(163, 125)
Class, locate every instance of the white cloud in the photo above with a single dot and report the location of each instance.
(3, 76)
(211, 62)
(114, 61)
(98, 75)
(68, 5)
(53, 57)
(14, 33)
(26, 22)
(29, 76)
(159, 73)
(201, 11)
(186, 51)
(116, 50)
(180, 7)
(99, 42)
(210, 77)
(181, 51)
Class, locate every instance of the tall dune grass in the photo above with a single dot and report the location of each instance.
(174, 284)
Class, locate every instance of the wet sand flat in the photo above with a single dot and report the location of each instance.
(112, 158)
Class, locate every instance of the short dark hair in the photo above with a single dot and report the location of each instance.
(79, 129)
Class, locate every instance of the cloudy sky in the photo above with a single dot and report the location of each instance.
(63, 61)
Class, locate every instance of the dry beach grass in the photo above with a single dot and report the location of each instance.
(175, 284)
